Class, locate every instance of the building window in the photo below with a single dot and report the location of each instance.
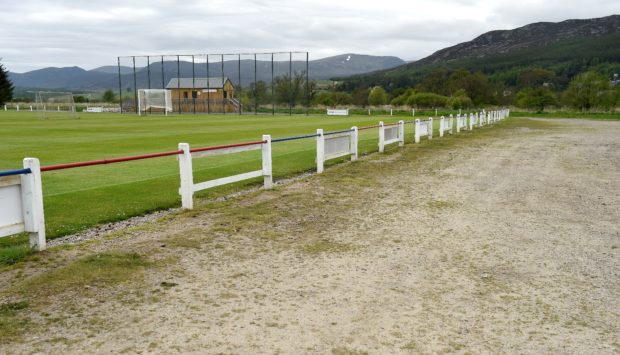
(194, 94)
(185, 94)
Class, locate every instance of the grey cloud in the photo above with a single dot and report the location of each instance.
(67, 32)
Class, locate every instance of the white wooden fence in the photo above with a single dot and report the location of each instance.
(445, 125)
(335, 145)
(21, 196)
(461, 122)
(423, 129)
(21, 204)
(391, 134)
(188, 187)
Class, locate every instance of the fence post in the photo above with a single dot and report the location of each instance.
(451, 125)
(354, 137)
(187, 177)
(381, 137)
(401, 133)
(267, 166)
(32, 201)
(368, 111)
(458, 123)
(417, 131)
(391, 112)
(320, 151)
(18, 107)
(442, 125)
(430, 128)
(413, 112)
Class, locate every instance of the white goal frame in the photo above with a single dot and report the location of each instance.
(144, 105)
(51, 108)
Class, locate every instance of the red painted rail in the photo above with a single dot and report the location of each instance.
(141, 157)
(108, 161)
(226, 146)
(367, 127)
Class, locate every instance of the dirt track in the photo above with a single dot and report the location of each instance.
(504, 241)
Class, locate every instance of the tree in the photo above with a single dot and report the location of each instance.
(360, 96)
(427, 100)
(6, 86)
(536, 98)
(534, 78)
(460, 100)
(589, 90)
(377, 96)
(293, 91)
(108, 96)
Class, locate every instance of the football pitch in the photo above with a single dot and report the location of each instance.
(78, 198)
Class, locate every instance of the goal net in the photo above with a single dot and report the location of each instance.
(52, 104)
(154, 100)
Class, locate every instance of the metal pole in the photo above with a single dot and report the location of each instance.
(208, 88)
(179, 82)
(307, 84)
(223, 102)
(135, 86)
(255, 82)
(239, 82)
(120, 86)
(290, 83)
(148, 73)
(194, 84)
(163, 84)
(273, 103)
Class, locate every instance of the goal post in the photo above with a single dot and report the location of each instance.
(55, 104)
(158, 99)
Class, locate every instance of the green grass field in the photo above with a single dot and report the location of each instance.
(76, 199)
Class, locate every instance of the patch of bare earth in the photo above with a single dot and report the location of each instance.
(504, 240)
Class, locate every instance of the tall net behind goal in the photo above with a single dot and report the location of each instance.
(154, 101)
(52, 105)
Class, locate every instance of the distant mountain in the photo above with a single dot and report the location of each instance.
(106, 77)
(567, 48)
(113, 69)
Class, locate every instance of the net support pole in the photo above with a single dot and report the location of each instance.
(290, 83)
(239, 81)
(179, 82)
(208, 88)
(163, 83)
(148, 74)
(273, 103)
(194, 85)
(307, 83)
(135, 85)
(120, 86)
(255, 91)
(223, 85)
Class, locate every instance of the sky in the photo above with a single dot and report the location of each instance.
(35, 34)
